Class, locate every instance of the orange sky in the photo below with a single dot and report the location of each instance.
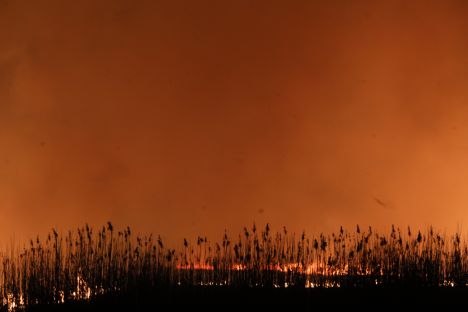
(189, 117)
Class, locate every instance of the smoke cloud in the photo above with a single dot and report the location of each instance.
(189, 117)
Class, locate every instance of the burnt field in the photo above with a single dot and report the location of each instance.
(217, 298)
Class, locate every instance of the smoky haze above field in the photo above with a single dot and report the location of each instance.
(189, 117)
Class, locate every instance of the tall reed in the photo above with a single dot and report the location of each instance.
(86, 263)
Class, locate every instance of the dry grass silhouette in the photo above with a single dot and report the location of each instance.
(86, 263)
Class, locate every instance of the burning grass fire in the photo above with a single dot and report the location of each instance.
(86, 264)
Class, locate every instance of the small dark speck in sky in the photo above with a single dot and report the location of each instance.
(381, 202)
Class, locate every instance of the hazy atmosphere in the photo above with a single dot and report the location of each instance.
(189, 117)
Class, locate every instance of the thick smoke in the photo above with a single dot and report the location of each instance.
(189, 117)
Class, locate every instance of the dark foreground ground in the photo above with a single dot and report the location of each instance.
(219, 299)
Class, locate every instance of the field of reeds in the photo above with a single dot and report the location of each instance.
(86, 264)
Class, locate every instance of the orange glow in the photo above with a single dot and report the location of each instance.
(312, 268)
(186, 118)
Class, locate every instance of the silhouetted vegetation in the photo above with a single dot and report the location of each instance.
(86, 264)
